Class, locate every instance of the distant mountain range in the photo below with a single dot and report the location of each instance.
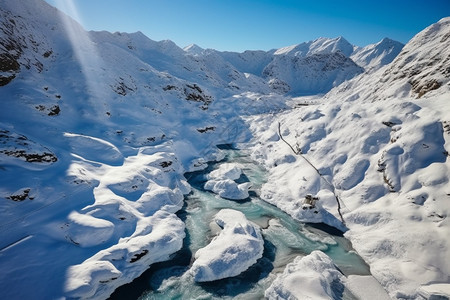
(98, 129)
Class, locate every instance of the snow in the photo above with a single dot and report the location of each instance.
(81, 228)
(373, 57)
(193, 49)
(435, 291)
(318, 46)
(318, 72)
(222, 182)
(228, 189)
(310, 277)
(384, 154)
(315, 276)
(237, 247)
(366, 287)
(229, 170)
(92, 168)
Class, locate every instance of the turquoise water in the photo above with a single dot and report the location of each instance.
(284, 238)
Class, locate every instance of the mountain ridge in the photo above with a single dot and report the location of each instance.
(97, 132)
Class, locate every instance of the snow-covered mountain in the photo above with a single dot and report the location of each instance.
(318, 46)
(97, 130)
(379, 143)
(375, 56)
(420, 69)
(312, 74)
(193, 49)
(311, 67)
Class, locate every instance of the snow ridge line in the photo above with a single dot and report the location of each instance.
(299, 153)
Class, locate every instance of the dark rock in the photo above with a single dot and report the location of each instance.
(138, 256)
(54, 110)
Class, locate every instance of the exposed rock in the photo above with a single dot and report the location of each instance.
(54, 110)
(194, 93)
(21, 195)
(19, 146)
(206, 129)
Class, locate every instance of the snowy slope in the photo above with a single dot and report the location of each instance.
(318, 46)
(193, 49)
(375, 56)
(312, 74)
(311, 67)
(380, 144)
(98, 128)
(421, 69)
(249, 61)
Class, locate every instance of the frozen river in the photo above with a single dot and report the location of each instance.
(284, 239)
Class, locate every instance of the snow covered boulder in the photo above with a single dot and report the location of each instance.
(237, 247)
(222, 182)
(155, 239)
(227, 188)
(226, 171)
(310, 277)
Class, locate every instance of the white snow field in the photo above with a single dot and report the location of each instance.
(98, 129)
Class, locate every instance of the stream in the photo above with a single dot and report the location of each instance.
(284, 239)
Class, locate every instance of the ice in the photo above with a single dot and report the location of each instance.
(237, 247)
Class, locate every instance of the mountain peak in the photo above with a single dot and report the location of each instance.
(374, 56)
(320, 45)
(193, 49)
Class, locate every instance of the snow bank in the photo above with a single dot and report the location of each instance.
(237, 247)
(228, 189)
(156, 239)
(87, 231)
(435, 291)
(310, 277)
(228, 170)
(221, 182)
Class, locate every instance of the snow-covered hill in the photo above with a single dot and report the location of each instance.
(375, 56)
(97, 130)
(380, 143)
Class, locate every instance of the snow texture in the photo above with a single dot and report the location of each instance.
(310, 277)
(384, 153)
(222, 182)
(237, 247)
(97, 130)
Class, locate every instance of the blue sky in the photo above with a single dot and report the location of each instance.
(238, 25)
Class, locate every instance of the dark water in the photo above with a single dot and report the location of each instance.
(284, 239)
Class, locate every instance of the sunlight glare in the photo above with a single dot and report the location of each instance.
(84, 48)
